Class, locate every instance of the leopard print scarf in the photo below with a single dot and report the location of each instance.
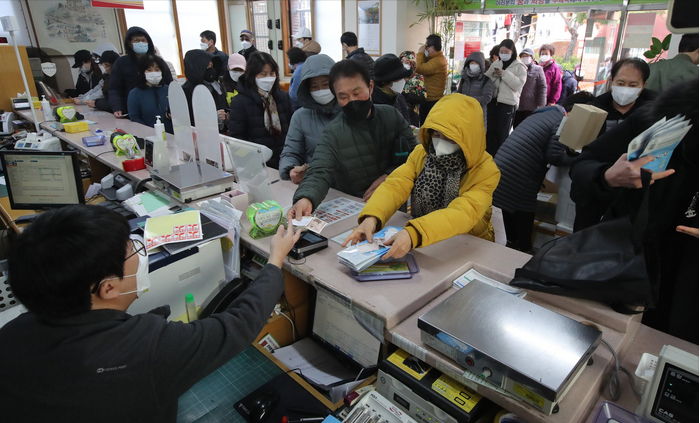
(438, 183)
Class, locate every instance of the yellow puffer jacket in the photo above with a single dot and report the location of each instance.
(461, 119)
(434, 71)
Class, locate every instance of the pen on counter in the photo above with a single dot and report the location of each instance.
(275, 181)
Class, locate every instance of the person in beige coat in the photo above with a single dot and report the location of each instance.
(508, 75)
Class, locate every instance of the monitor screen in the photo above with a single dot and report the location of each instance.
(42, 180)
(335, 324)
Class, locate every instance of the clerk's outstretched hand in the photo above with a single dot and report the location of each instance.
(364, 231)
(282, 243)
(626, 174)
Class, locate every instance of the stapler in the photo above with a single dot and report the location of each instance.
(117, 187)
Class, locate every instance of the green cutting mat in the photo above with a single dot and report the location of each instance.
(211, 400)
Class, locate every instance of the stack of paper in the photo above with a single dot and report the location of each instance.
(360, 256)
(659, 141)
(472, 275)
(148, 204)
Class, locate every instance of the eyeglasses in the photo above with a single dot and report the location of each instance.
(137, 247)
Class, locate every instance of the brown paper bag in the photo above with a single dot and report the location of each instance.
(582, 126)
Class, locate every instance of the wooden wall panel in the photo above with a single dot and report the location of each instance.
(11, 80)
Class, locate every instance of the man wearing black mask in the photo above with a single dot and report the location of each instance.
(359, 148)
(201, 67)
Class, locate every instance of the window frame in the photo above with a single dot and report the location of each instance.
(222, 38)
(287, 31)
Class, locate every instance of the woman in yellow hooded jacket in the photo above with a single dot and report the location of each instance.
(450, 179)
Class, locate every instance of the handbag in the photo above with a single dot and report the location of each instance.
(606, 263)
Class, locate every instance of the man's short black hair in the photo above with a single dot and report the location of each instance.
(296, 55)
(209, 35)
(56, 261)
(349, 39)
(688, 44)
(347, 69)
(634, 62)
(581, 97)
(435, 41)
(255, 64)
(494, 51)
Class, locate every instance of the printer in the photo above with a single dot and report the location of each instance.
(39, 142)
(198, 271)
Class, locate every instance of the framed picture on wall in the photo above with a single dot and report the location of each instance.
(369, 27)
(67, 26)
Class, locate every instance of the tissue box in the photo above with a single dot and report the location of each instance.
(73, 127)
(582, 126)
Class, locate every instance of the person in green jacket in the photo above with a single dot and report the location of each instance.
(359, 148)
(667, 73)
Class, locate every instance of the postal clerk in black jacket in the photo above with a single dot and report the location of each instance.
(602, 175)
(77, 356)
(261, 111)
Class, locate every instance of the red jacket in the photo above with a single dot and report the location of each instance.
(552, 73)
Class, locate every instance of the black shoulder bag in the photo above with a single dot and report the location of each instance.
(605, 263)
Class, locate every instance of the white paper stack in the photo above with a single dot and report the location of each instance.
(362, 255)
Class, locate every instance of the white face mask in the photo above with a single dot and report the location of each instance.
(544, 58)
(505, 56)
(299, 44)
(526, 60)
(246, 45)
(426, 52)
(266, 83)
(625, 95)
(85, 69)
(397, 86)
(154, 77)
(407, 66)
(203, 46)
(235, 75)
(143, 282)
(102, 68)
(444, 147)
(322, 96)
(475, 68)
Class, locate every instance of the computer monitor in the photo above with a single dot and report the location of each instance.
(334, 324)
(38, 180)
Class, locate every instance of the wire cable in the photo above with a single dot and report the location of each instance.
(612, 386)
(294, 331)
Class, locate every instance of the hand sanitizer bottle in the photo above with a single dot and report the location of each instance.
(160, 129)
(46, 109)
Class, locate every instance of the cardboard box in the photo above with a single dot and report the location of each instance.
(582, 126)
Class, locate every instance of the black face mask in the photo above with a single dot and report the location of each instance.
(210, 75)
(357, 110)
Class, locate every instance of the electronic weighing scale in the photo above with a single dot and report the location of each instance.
(192, 181)
(528, 350)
